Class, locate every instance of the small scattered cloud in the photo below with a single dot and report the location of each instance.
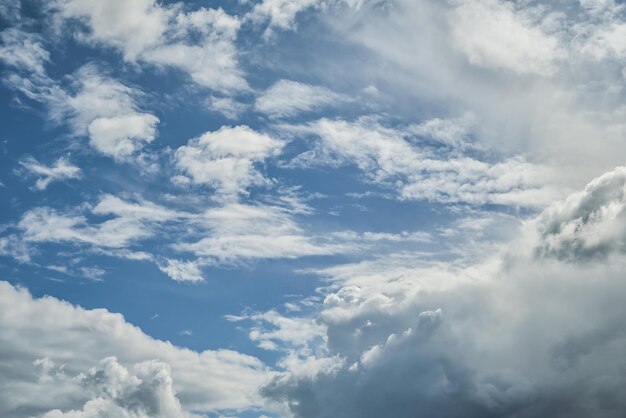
(61, 170)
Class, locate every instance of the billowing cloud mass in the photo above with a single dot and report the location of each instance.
(312, 208)
(499, 338)
(60, 355)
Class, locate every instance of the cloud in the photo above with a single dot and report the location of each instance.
(288, 98)
(238, 232)
(121, 136)
(182, 271)
(493, 338)
(23, 51)
(61, 170)
(130, 222)
(52, 359)
(589, 224)
(105, 110)
(96, 106)
(396, 158)
(146, 390)
(132, 26)
(200, 43)
(280, 13)
(492, 34)
(225, 159)
(529, 74)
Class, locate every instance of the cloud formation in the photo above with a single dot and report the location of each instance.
(59, 354)
(493, 339)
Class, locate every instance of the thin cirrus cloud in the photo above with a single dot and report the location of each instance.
(288, 98)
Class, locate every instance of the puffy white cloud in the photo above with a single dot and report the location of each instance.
(589, 224)
(225, 159)
(121, 136)
(288, 98)
(61, 170)
(200, 43)
(181, 271)
(50, 356)
(96, 106)
(105, 109)
(146, 390)
(133, 26)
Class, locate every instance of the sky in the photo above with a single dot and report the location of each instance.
(312, 208)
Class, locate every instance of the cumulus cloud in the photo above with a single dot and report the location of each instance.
(200, 43)
(95, 105)
(61, 170)
(225, 159)
(288, 98)
(145, 390)
(182, 271)
(498, 337)
(52, 364)
(589, 224)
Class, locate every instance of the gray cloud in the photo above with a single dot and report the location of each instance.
(512, 336)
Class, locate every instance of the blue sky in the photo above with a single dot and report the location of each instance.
(312, 208)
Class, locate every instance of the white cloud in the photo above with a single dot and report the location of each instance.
(182, 271)
(280, 13)
(227, 106)
(96, 106)
(133, 26)
(390, 157)
(492, 34)
(200, 43)
(121, 136)
(607, 42)
(288, 98)
(149, 378)
(131, 222)
(61, 170)
(225, 159)
(145, 390)
(105, 109)
(23, 51)
(590, 223)
(238, 232)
